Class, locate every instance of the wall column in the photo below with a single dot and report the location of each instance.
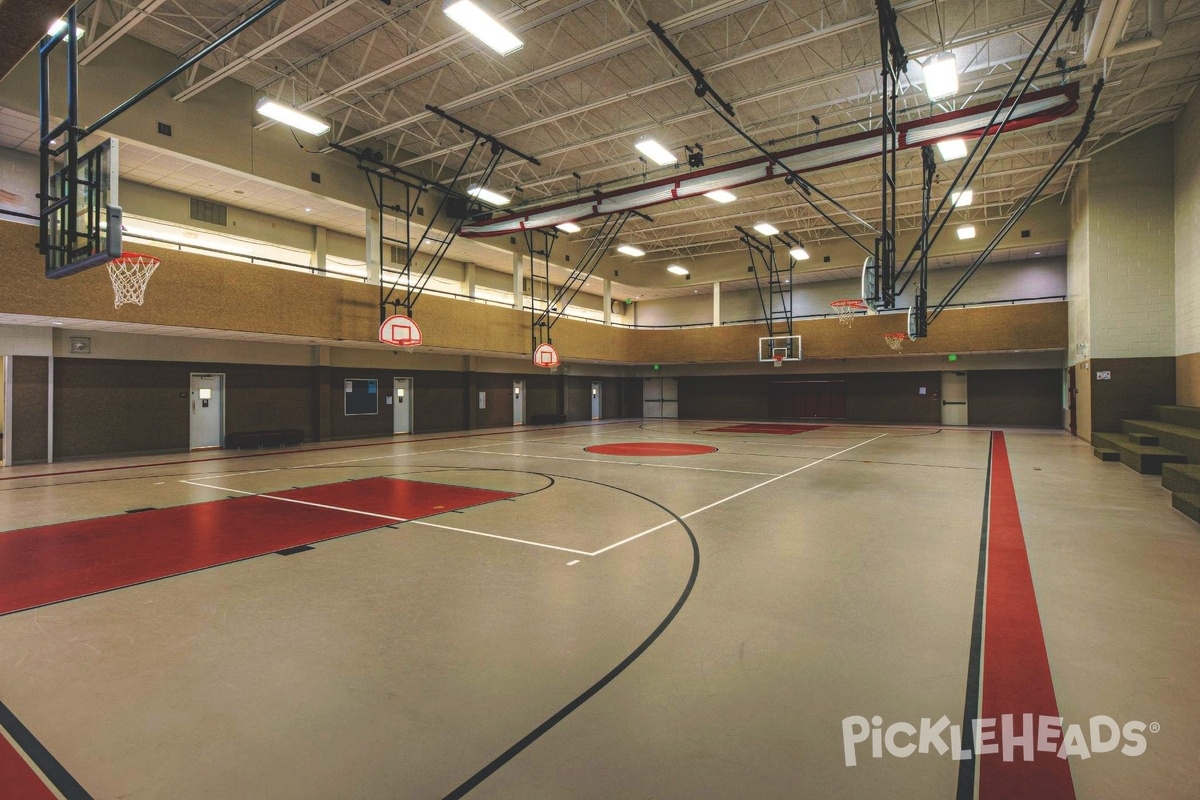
(518, 282)
(469, 278)
(716, 304)
(607, 301)
(372, 259)
(320, 247)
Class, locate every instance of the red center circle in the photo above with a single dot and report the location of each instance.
(650, 449)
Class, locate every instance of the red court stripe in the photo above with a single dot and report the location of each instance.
(17, 778)
(1016, 668)
(394, 498)
(783, 428)
(52, 563)
(650, 449)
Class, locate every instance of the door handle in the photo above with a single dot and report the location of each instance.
(954, 402)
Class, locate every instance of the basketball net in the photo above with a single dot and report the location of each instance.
(130, 273)
(846, 310)
(778, 360)
(895, 340)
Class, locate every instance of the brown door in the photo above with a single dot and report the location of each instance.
(1071, 398)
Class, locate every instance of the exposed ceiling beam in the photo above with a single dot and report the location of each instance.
(302, 27)
(124, 25)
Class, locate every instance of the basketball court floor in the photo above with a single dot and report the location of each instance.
(632, 609)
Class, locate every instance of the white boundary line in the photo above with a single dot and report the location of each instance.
(731, 497)
(387, 517)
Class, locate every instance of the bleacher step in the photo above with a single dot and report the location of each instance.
(1188, 416)
(1145, 459)
(1183, 478)
(1105, 454)
(1187, 503)
(1179, 438)
(1144, 438)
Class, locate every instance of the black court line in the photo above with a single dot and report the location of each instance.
(291, 551)
(139, 510)
(966, 767)
(499, 761)
(55, 772)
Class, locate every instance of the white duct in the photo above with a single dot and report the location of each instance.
(1104, 41)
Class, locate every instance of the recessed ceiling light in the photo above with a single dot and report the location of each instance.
(487, 195)
(766, 229)
(962, 198)
(482, 25)
(941, 76)
(965, 231)
(952, 149)
(55, 322)
(655, 152)
(799, 253)
(307, 210)
(569, 227)
(675, 269)
(721, 196)
(630, 250)
(1037, 252)
(292, 117)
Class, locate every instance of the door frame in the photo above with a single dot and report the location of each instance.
(524, 392)
(1072, 394)
(409, 401)
(597, 409)
(221, 435)
(944, 402)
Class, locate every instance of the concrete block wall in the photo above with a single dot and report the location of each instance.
(1131, 247)
(1187, 253)
(1079, 321)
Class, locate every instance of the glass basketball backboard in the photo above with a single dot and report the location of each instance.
(81, 217)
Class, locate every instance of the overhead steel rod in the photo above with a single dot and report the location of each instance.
(487, 137)
(184, 67)
(1029, 200)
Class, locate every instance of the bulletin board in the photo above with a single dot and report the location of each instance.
(362, 396)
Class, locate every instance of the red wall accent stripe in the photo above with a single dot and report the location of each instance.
(1016, 668)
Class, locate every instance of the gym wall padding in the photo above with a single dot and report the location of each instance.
(30, 400)
(1032, 397)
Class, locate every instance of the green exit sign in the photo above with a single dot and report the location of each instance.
(952, 357)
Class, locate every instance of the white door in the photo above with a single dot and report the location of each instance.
(596, 387)
(670, 398)
(518, 402)
(208, 410)
(954, 398)
(402, 405)
(652, 398)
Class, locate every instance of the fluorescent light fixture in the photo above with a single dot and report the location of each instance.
(568, 227)
(962, 198)
(675, 269)
(721, 196)
(799, 253)
(487, 195)
(292, 117)
(965, 231)
(655, 152)
(630, 250)
(60, 24)
(941, 76)
(952, 149)
(482, 25)
(766, 229)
